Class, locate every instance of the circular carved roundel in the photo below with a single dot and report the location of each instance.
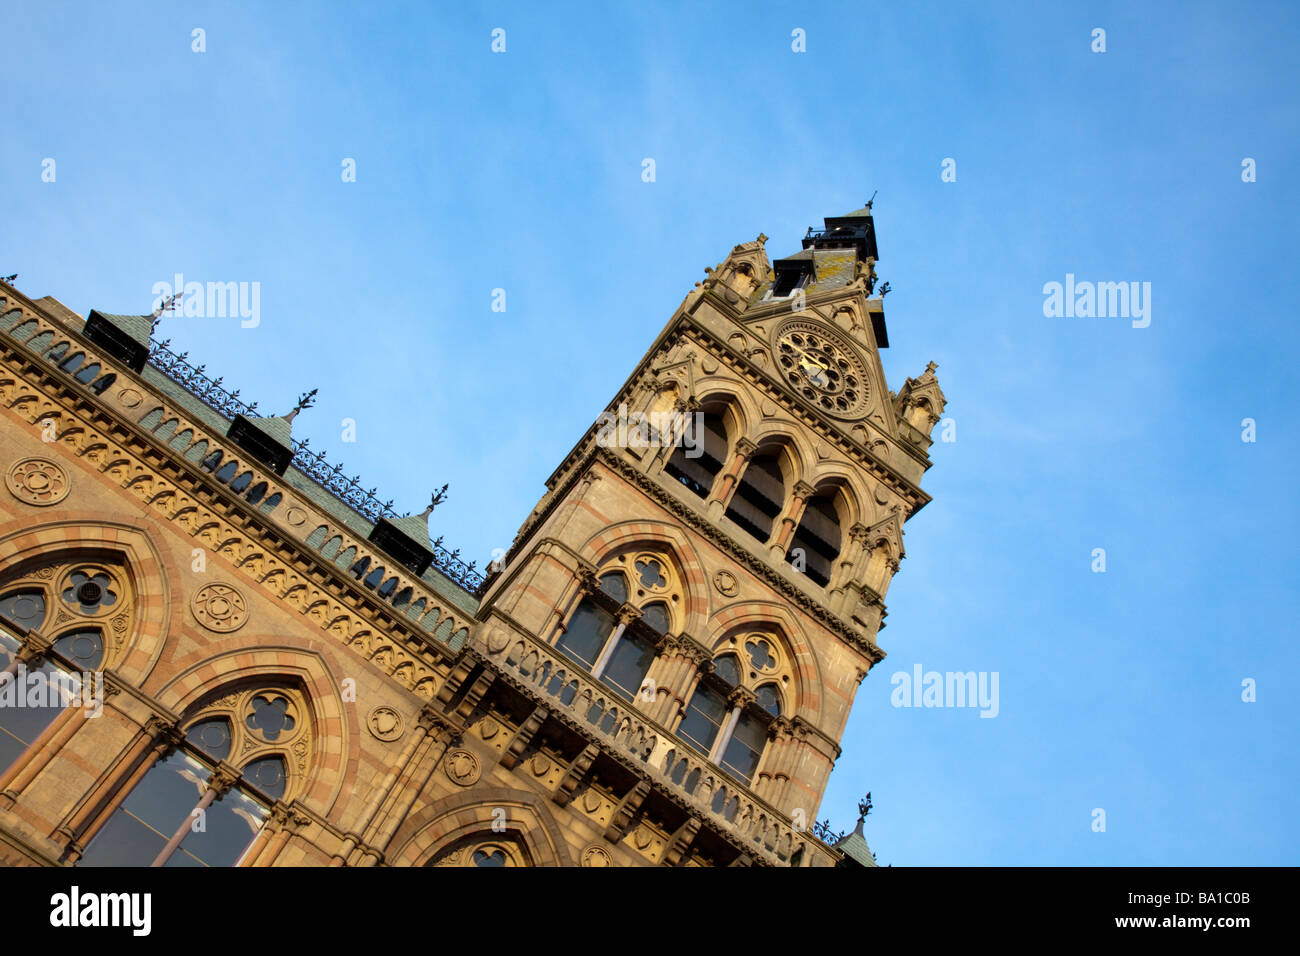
(38, 482)
(822, 367)
(462, 767)
(220, 608)
(385, 723)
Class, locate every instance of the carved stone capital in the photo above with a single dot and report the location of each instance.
(803, 490)
(434, 722)
(688, 648)
(35, 647)
(858, 534)
(588, 583)
(223, 778)
(745, 448)
(628, 613)
(740, 697)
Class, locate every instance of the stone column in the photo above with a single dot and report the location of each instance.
(439, 734)
(675, 672)
(154, 741)
(726, 483)
(790, 520)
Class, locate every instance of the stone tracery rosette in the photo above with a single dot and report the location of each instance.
(38, 481)
(220, 608)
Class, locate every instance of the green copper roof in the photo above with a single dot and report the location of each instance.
(833, 269)
(854, 846)
(415, 527)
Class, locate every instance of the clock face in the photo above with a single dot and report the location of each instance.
(822, 367)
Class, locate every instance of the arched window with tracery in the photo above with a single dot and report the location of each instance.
(483, 850)
(203, 804)
(615, 630)
(80, 608)
(734, 704)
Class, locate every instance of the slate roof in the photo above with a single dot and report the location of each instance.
(854, 846)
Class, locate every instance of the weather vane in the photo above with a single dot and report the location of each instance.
(305, 401)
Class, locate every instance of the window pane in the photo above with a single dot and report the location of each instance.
(25, 608)
(728, 668)
(29, 702)
(588, 630)
(740, 757)
(615, 585)
(628, 664)
(230, 825)
(83, 649)
(146, 820)
(267, 775)
(212, 737)
(703, 718)
(769, 699)
(656, 615)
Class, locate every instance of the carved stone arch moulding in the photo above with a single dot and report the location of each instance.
(685, 586)
(252, 661)
(793, 663)
(441, 825)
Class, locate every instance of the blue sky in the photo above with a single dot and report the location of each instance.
(1118, 690)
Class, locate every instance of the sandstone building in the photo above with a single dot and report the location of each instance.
(658, 672)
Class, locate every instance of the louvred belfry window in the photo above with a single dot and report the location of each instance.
(817, 541)
(701, 454)
(759, 497)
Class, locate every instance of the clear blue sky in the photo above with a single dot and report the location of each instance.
(522, 171)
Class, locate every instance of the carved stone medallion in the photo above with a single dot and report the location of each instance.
(595, 856)
(220, 608)
(462, 768)
(726, 584)
(38, 481)
(385, 723)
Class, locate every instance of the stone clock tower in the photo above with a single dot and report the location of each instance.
(205, 617)
(720, 564)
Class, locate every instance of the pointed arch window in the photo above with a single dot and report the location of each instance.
(700, 456)
(760, 496)
(205, 803)
(606, 634)
(729, 715)
(39, 680)
(487, 850)
(817, 541)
